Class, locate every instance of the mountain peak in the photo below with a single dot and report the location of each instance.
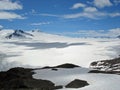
(19, 34)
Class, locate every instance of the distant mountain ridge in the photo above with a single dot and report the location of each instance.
(30, 35)
(37, 35)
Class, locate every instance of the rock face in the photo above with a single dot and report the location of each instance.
(77, 84)
(20, 78)
(106, 65)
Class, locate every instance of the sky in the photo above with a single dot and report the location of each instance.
(68, 17)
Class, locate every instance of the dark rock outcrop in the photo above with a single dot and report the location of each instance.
(54, 69)
(106, 65)
(104, 72)
(77, 84)
(21, 78)
(67, 65)
(58, 87)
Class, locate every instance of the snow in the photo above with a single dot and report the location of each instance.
(65, 76)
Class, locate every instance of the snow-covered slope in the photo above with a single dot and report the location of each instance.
(65, 76)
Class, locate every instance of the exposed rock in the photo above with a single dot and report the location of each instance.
(77, 84)
(106, 65)
(47, 67)
(66, 65)
(105, 72)
(59, 87)
(21, 78)
(54, 69)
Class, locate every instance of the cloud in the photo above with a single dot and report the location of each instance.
(78, 5)
(8, 5)
(90, 9)
(41, 23)
(88, 12)
(115, 14)
(102, 3)
(115, 31)
(9, 15)
(1, 27)
(92, 14)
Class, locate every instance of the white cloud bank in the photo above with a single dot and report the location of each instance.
(6, 6)
(9, 15)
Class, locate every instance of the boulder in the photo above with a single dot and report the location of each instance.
(77, 84)
(54, 69)
(58, 87)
